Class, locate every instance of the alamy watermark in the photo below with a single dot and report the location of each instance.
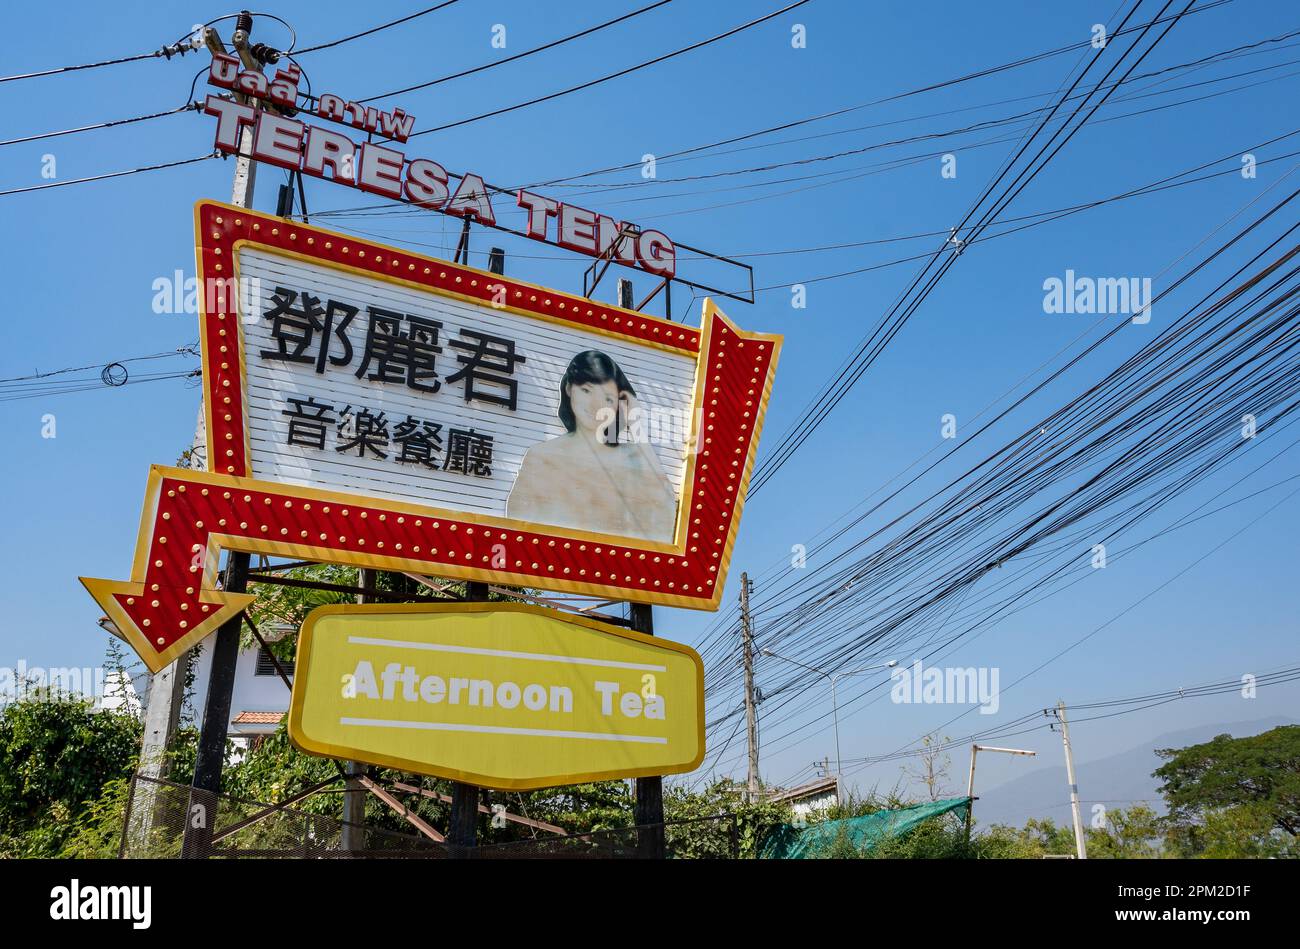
(652, 426)
(1074, 294)
(25, 683)
(953, 685)
(180, 294)
(77, 901)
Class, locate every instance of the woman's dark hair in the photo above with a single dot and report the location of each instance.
(591, 366)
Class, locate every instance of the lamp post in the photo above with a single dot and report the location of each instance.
(970, 786)
(835, 709)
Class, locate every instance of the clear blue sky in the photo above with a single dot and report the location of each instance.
(80, 263)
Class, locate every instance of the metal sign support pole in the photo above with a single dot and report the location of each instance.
(462, 830)
(354, 798)
(648, 809)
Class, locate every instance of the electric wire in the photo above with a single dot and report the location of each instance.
(107, 175)
(375, 29)
(628, 70)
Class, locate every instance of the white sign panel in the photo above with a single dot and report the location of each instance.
(373, 387)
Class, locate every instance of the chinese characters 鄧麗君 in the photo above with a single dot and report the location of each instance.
(391, 352)
(398, 348)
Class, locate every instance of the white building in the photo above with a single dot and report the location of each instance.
(807, 800)
(258, 704)
(260, 698)
(122, 693)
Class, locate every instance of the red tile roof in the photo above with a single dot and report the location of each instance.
(258, 718)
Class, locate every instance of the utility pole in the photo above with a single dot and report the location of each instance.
(211, 756)
(245, 168)
(648, 809)
(1080, 844)
(751, 717)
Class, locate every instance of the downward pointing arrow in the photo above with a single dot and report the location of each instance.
(171, 602)
(162, 622)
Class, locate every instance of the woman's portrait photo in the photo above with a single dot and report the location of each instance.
(593, 477)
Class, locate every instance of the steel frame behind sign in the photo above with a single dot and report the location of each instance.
(189, 517)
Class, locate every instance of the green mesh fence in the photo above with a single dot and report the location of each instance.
(788, 842)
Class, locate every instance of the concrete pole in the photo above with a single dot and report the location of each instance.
(970, 791)
(751, 716)
(1081, 845)
(167, 688)
(839, 761)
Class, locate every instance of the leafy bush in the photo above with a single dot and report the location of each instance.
(710, 838)
(56, 758)
(97, 831)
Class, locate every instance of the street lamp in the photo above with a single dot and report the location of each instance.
(970, 786)
(835, 709)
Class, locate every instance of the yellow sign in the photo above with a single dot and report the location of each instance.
(501, 695)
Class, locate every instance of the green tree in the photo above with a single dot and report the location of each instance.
(1001, 842)
(1038, 838)
(579, 809)
(276, 605)
(1226, 789)
(1241, 832)
(1132, 833)
(931, 767)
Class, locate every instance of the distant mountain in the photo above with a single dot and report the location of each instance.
(1119, 780)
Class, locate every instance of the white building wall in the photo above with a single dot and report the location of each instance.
(252, 693)
(809, 806)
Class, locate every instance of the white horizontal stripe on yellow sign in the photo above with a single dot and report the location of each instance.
(506, 653)
(500, 730)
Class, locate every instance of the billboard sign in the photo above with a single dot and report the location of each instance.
(499, 695)
(370, 406)
(382, 169)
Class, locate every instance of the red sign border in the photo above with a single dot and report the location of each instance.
(171, 601)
